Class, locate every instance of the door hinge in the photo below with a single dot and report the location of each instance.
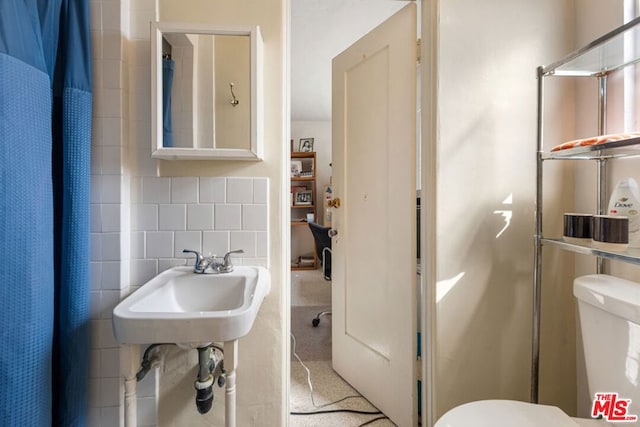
(419, 50)
(418, 369)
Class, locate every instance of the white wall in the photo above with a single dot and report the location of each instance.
(483, 134)
(320, 30)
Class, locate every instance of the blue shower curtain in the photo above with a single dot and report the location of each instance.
(45, 142)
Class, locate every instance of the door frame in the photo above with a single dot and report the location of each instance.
(430, 13)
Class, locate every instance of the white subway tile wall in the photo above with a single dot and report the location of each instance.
(228, 217)
(173, 217)
(215, 242)
(239, 190)
(191, 240)
(156, 189)
(213, 190)
(227, 221)
(159, 244)
(200, 217)
(254, 217)
(184, 190)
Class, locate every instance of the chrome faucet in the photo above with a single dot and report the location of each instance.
(203, 264)
(211, 265)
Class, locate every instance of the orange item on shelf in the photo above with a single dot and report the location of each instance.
(595, 140)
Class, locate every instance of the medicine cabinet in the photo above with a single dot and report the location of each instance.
(206, 92)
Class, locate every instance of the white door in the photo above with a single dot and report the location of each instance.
(374, 252)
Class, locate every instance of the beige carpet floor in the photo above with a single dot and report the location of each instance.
(328, 387)
(312, 343)
(309, 288)
(309, 295)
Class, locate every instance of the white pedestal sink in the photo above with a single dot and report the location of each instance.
(179, 306)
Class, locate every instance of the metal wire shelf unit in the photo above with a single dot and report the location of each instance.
(613, 51)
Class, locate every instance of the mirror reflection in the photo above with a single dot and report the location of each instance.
(206, 92)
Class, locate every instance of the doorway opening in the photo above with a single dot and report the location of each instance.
(319, 32)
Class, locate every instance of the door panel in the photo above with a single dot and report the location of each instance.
(366, 192)
(374, 261)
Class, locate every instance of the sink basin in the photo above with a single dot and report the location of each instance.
(179, 306)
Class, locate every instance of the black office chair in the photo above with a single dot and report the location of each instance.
(323, 250)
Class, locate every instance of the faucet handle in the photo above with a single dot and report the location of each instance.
(199, 257)
(227, 256)
(227, 266)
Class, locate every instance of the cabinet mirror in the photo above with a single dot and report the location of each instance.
(206, 92)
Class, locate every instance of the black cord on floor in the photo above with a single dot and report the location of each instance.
(373, 421)
(293, 351)
(331, 411)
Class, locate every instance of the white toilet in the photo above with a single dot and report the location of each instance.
(609, 312)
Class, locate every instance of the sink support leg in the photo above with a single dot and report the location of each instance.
(129, 360)
(230, 362)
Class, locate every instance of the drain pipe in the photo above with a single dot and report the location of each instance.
(211, 367)
(210, 371)
(149, 361)
(204, 383)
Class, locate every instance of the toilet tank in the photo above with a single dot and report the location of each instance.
(609, 312)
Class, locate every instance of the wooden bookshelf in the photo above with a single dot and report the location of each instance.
(303, 202)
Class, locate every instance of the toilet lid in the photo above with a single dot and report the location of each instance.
(504, 413)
